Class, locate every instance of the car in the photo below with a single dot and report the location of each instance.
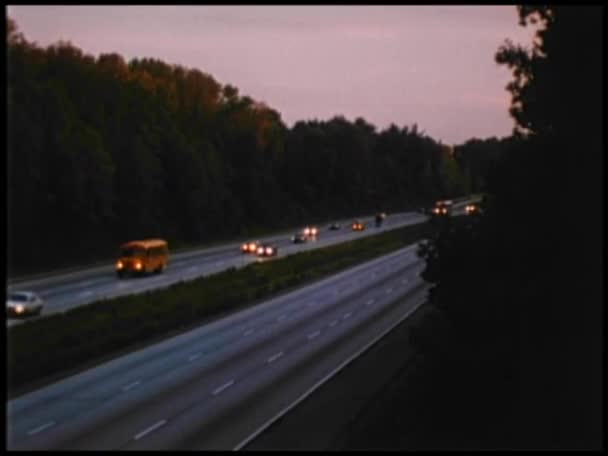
(441, 208)
(358, 225)
(266, 250)
(299, 238)
(250, 247)
(380, 216)
(311, 232)
(472, 208)
(335, 226)
(22, 303)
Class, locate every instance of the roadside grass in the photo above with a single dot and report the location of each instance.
(50, 345)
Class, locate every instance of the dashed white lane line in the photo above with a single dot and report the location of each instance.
(193, 357)
(346, 315)
(85, 293)
(193, 268)
(130, 385)
(370, 302)
(223, 387)
(273, 358)
(313, 335)
(333, 323)
(150, 429)
(41, 428)
(123, 285)
(246, 333)
(389, 291)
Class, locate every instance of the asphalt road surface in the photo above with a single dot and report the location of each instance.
(220, 385)
(66, 291)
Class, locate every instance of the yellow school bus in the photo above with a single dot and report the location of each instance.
(141, 257)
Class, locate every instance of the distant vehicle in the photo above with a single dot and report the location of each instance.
(22, 303)
(307, 234)
(335, 226)
(380, 218)
(471, 209)
(442, 208)
(299, 238)
(266, 251)
(141, 257)
(311, 232)
(250, 247)
(358, 226)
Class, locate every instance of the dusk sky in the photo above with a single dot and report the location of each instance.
(430, 65)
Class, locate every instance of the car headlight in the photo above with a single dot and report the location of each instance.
(138, 265)
(268, 251)
(244, 247)
(260, 250)
(306, 231)
(314, 231)
(119, 265)
(19, 308)
(252, 247)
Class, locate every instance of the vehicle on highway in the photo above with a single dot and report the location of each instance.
(311, 232)
(358, 225)
(380, 216)
(250, 247)
(266, 250)
(335, 226)
(141, 257)
(23, 303)
(442, 208)
(472, 208)
(299, 238)
(307, 234)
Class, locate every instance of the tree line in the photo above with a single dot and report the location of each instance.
(101, 151)
(514, 347)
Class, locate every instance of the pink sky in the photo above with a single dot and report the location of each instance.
(430, 65)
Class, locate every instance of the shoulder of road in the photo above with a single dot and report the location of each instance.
(363, 406)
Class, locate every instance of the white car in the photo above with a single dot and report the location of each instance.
(20, 303)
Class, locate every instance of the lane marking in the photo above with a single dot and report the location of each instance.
(273, 358)
(333, 323)
(223, 387)
(150, 429)
(246, 333)
(313, 335)
(370, 302)
(346, 315)
(322, 381)
(193, 268)
(281, 317)
(193, 357)
(41, 428)
(130, 385)
(85, 293)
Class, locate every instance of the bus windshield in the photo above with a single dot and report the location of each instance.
(132, 252)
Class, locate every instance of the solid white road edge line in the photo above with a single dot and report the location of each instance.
(323, 380)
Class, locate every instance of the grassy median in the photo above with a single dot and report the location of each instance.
(62, 342)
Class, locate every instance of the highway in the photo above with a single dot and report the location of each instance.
(220, 385)
(66, 291)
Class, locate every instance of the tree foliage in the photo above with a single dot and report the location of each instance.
(103, 150)
(519, 289)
